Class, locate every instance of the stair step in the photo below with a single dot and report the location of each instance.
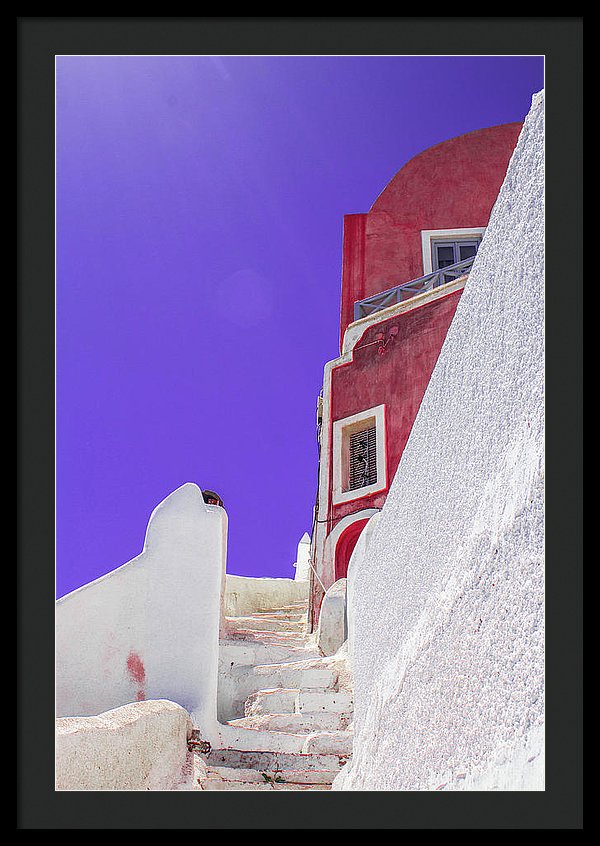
(276, 637)
(293, 674)
(281, 700)
(270, 762)
(294, 613)
(289, 776)
(243, 672)
(278, 700)
(293, 723)
(220, 784)
(257, 653)
(265, 624)
(330, 743)
(334, 702)
(282, 611)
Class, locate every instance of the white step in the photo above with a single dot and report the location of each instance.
(253, 653)
(278, 700)
(293, 723)
(334, 702)
(330, 743)
(280, 638)
(245, 669)
(284, 612)
(288, 776)
(265, 624)
(221, 784)
(293, 675)
(292, 613)
(270, 762)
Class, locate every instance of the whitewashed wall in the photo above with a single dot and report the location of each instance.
(245, 595)
(447, 597)
(356, 561)
(150, 629)
(332, 630)
(141, 746)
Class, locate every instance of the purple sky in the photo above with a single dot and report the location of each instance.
(199, 232)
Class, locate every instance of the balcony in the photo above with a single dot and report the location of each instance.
(393, 296)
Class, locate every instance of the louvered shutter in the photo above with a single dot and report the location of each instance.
(363, 458)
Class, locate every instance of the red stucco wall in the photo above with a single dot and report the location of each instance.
(450, 186)
(398, 377)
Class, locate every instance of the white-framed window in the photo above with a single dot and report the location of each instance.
(443, 247)
(359, 464)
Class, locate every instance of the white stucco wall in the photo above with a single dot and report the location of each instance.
(332, 629)
(447, 597)
(141, 746)
(356, 560)
(245, 595)
(150, 629)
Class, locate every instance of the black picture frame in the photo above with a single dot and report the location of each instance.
(39, 40)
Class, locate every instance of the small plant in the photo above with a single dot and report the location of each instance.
(275, 778)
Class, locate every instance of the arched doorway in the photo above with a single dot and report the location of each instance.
(345, 547)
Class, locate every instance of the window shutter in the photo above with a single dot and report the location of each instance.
(363, 458)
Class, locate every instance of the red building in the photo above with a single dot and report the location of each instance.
(404, 266)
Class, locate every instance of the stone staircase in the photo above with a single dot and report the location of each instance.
(290, 707)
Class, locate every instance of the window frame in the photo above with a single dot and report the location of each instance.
(456, 244)
(428, 236)
(342, 429)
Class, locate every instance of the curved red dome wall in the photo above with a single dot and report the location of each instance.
(452, 185)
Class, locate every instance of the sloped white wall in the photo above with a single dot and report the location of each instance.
(447, 595)
(150, 629)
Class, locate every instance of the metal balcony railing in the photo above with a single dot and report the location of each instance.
(399, 293)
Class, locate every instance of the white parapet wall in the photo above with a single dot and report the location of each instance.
(245, 595)
(141, 746)
(447, 594)
(150, 629)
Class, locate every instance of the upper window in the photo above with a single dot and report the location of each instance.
(445, 247)
(446, 253)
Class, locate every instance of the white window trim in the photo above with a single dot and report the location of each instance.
(340, 495)
(429, 235)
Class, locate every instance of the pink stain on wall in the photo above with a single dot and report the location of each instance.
(137, 672)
